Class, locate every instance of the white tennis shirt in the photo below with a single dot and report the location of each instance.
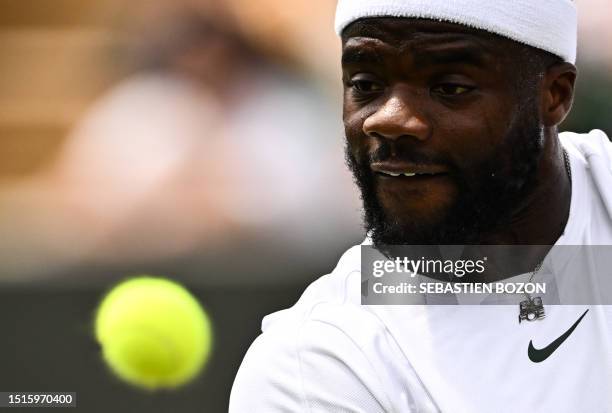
(328, 353)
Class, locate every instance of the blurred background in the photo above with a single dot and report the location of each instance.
(198, 140)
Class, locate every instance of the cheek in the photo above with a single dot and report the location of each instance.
(472, 136)
(353, 129)
(353, 140)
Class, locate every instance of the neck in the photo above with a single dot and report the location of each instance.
(542, 217)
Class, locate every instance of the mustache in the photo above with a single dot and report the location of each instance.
(389, 152)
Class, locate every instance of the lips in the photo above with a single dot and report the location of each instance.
(410, 170)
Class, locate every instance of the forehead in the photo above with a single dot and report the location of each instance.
(409, 33)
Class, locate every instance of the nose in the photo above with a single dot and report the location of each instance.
(396, 118)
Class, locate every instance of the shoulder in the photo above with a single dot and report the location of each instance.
(595, 144)
(592, 154)
(320, 355)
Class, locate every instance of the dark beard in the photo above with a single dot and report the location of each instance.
(486, 198)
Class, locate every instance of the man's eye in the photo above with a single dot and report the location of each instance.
(450, 89)
(366, 85)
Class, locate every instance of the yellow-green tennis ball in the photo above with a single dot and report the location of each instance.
(153, 333)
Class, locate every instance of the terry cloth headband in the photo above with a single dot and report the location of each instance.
(550, 25)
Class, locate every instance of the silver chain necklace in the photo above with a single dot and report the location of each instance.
(532, 309)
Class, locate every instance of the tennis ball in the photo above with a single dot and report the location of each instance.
(153, 333)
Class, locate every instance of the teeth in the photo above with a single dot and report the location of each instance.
(408, 174)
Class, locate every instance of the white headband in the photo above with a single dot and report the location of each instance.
(549, 25)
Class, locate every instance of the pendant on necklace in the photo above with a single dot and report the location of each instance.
(531, 309)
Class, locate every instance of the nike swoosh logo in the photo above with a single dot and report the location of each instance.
(539, 355)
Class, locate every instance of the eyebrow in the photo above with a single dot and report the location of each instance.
(356, 55)
(463, 54)
(466, 53)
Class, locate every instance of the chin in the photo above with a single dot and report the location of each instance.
(417, 211)
(410, 218)
(409, 225)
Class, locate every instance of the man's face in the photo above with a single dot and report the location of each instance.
(442, 144)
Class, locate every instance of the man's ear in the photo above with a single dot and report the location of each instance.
(558, 93)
